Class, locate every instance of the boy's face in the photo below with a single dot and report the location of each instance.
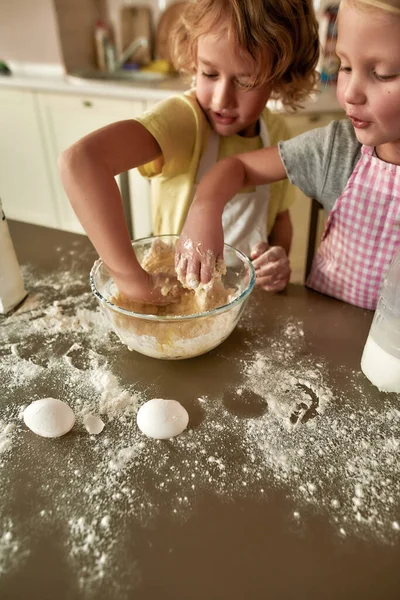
(222, 74)
(369, 80)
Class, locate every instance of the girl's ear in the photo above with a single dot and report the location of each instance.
(193, 82)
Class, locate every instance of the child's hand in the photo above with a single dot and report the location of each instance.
(199, 250)
(145, 288)
(272, 267)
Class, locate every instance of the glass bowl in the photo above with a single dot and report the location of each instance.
(176, 337)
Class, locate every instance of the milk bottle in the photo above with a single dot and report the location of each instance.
(381, 358)
(12, 290)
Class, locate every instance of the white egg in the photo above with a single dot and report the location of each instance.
(49, 417)
(162, 419)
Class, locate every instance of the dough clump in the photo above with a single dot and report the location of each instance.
(160, 259)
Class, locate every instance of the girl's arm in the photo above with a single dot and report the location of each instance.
(282, 231)
(202, 240)
(87, 171)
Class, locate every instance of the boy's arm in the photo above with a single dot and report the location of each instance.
(201, 242)
(87, 171)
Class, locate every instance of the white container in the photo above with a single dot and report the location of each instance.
(12, 290)
(101, 41)
(381, 357)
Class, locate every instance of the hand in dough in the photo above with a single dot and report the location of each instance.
(200, 248)
(196, 267)
(158, 289)
(272, 267)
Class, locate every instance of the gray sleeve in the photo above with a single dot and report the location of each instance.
(320, 161)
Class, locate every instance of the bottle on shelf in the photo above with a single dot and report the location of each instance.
(105, 52)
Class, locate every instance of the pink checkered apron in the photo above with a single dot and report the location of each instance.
(361, 235)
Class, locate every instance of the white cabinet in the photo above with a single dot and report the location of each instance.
(140, 198)
(25, 185)
(65, 119)
(36, 126)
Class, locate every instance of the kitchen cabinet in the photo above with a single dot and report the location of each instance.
(140, 197)
(65, 119)
(36, 127)
(25, 186)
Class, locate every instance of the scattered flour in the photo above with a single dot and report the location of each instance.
(10, 551)
(281, 424)
(6, 431)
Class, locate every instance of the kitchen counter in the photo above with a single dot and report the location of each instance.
(324, 102)
(286, 484)
(155, 90)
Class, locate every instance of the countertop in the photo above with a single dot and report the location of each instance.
(286, 484)
(155, 90)
(324, 102)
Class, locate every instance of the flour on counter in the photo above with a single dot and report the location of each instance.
(6, 431)
(10, 551)
(280, 425)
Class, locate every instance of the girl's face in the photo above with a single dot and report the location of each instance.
(368, 88)
(221, 78)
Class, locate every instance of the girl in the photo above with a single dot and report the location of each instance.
(241, 53)
(352, 167)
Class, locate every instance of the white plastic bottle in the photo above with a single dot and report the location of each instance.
(101, 40)
(12, 290)
(381, 357)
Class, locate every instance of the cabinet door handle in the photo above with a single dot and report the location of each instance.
(88, 103)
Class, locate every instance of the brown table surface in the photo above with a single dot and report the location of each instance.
(241, 544)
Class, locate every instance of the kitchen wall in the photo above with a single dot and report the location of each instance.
(76, 20)
(28, 31)
(114, 6)
(60, 32)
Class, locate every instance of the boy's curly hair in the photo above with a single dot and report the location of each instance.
(280, 35)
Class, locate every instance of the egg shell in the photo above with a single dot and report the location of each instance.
(49, 417)
(94, 425)
(162, 419)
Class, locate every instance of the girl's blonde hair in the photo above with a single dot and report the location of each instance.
(280, 35)
(390, 6)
